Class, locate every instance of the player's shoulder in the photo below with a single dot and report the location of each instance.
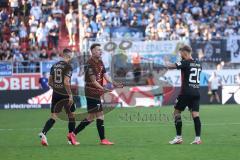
(195, 63)
(90, 60)
(182, 62)
(101, 62)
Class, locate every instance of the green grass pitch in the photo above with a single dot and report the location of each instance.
(139, 134)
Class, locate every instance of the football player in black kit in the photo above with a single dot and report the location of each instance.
(60, 81)
(189, 95)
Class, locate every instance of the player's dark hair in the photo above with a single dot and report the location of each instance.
(94, 45)
(186, 48)
(67, 51)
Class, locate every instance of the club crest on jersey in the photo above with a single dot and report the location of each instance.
(179, 63)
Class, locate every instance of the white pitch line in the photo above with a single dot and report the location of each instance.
(127, 126)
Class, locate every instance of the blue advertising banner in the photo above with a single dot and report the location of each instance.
(46, 66)
(127, 32)
(6, 69)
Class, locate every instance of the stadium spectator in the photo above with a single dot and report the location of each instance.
(51, 23)
(43, 81)
(54, 36)
(23, 32)
(46, 9)
(33, 23)
(14, 6)
(36, 11)
(57, 13)
(71, 23)
(42, 35)
(3, 15)
(88, 30)
(43, 55)
(14, 24)
(213, 85)
(54, 54)
(18, 59)
(24, 9)
(14, 40)
(8, 56)
(34, 54)
(32, 57)
(104, 33)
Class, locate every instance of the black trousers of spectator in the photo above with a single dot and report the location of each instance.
(54, 41)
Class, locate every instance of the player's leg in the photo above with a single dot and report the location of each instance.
(101, 129)
(84, 123)
(212, 96)
(71, 118)
(179, 107)
(71, 128)
(92, 108)
(48, 125)
(55, 109)
(197, 127)
(194, 107)
(178, 126)
(217, 97)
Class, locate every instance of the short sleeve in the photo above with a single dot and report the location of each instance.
(89, 70)
(181, 64)
(68, 71)
(51, 71)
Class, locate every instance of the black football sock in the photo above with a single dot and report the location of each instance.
(81, 126)
(48, 126)
(71, 125)
(100, 128)
(197, 125)
(178, 125)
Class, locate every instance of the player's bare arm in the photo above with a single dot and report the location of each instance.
(171, 66)
(50, 81)
(68, 88)
(97, 85)
(109, 79)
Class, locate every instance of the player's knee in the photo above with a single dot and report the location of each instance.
(101, 116)
(177, 118)
(90, 117)
(54, 116)
(71, 116)
(176, 113)
(195, 114)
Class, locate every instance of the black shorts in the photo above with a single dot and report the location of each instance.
(183, 101)
(94, 105)
(214, 91)
(59, 101)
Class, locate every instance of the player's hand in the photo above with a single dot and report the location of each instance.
(70, 100)
(50, 85)
(118, 84)
(105, 90)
